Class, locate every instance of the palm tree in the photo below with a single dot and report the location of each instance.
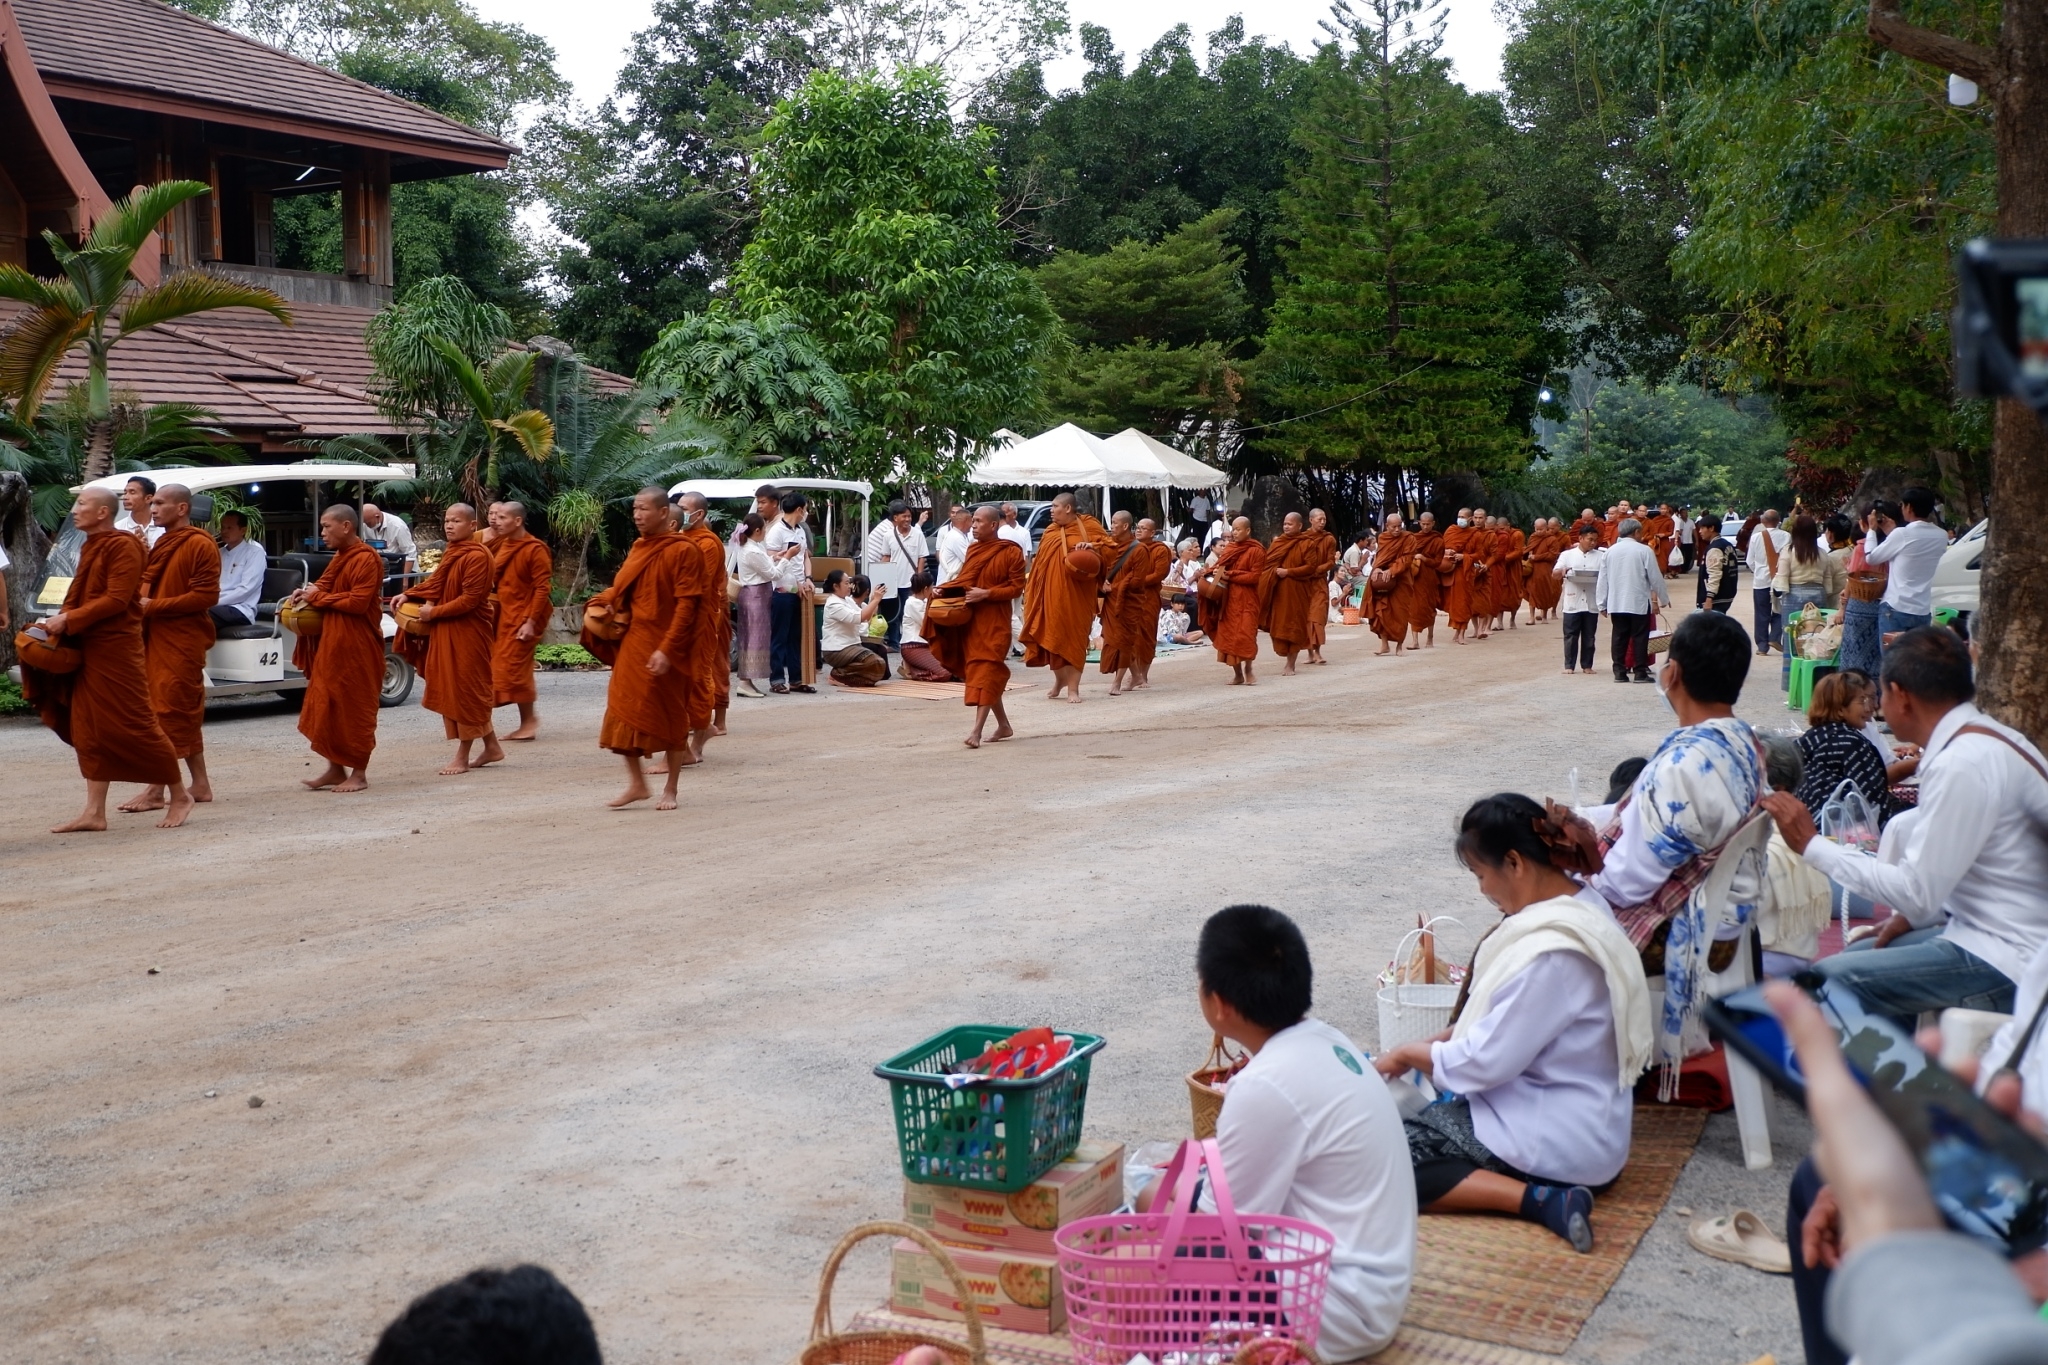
(496, 394)
(78, 306)
(50, 452)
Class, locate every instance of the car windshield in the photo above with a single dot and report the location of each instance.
(62, 561)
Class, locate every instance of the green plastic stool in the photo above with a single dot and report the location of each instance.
(1799, 686)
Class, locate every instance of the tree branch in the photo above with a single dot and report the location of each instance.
(1968, 60)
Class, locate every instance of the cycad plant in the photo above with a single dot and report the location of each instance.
(79, 307)
(50, 450)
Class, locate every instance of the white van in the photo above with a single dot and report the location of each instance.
(1962, 566)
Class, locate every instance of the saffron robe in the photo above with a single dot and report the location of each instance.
(1284, 603)
(182, 576)
(1130, 605)
(103, 709)
(1544, 589)
(461, 634)
(1428, 580)
(1233, 624)
(1323, 560)
(1460, 577)
(522, 572)
(976, 652)
(1511, 579)
(710, 642)
(1059, 601)
(344, 663)
(1392, 602)
(657, 585)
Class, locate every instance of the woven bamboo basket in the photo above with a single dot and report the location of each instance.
(827, 1347)
(1205, 1085)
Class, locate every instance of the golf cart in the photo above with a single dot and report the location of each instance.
(282, 503)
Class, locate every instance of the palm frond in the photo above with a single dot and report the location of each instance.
(509, 377)
(31, 352)
(22, 287)
(532, 429)
(194, 291)
(127, 225)
(475, 389)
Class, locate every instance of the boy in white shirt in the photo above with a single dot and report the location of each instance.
(1308, 1128)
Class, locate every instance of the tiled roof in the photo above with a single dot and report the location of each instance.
(265, 381)
(146, 54)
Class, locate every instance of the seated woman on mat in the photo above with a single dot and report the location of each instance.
(1542, 1057)
(918, 663)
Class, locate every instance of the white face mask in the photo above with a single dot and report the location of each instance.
(1663, 692)
(1464, 521)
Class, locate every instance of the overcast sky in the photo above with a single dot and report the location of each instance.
(590, 36)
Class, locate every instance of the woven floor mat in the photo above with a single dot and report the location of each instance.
(1516, 1283)
(1415, 1345)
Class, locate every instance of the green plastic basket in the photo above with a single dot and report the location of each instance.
(991, 1135)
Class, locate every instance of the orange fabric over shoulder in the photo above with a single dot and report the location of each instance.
(182, 576)
(1233, 625)
(1130, 610)
(460, 636)
(344, 663)
(522, 573)
(103, 710)
(709, 645)
(1392, 602)
(1284, 602)
(643, 713)
(1322, 560)
(977, 651)
(1059, 600)
(1428, 580)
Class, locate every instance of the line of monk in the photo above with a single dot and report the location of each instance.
(103, 708)
(344, 661)
(1130, 602)
(1286, 588)
(1461, 574)
(1061, 594)
(180, 584)
(1392, 590)
(522, 574)
(454, 656)
(978, 649)
(1230, 603)
(1546, 543)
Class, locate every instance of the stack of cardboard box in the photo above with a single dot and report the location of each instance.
(1002, 1242)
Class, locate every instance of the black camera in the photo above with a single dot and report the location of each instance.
(2001, 321)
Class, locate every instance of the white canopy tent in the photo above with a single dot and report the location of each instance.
(1068, 456)
(1182, 471)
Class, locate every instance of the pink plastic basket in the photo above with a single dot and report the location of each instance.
(1193, 1285)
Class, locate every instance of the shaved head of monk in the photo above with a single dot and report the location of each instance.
(1062, 508)
(508, 518)
(986, 522)
(1318, 518)
(1241, 528)
(1428, 521)
(1147, 528)
(95, 509)
(1393, 521)
(1478, 515)
(651, 512)
(171, 506)
(1120, 522)
(458, 522)
(338, 526)
(693, 506)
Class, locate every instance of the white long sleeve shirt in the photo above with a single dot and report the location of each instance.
(1539, 1070)
(1975, 851)
(1309, 1130)
(893, 556)
(1913, 552)
(951, 544)
(241, 577)
(791, 573)
(1759, 560)
(755, 565)
(1574, 564)
(1630, 581)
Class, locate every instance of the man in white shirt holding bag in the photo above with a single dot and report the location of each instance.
(1767, 545)
(1578, 574)
(894, 553)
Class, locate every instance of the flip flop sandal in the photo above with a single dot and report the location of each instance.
(1743, 1238)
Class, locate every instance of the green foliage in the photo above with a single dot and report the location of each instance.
(414, 374)
(565, 656)
(1678, 444)
(763, 382)
(49, 450)
(880, 232)
(12, 702)
(1399, 337)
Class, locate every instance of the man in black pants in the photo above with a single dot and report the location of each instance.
(1575, 600)
(1630, 590)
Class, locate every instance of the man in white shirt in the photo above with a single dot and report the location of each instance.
(386, 534)
(1629, 591)
(951, 544)
(1219, 529)
(1971, 864)
(894, 553)
(242, 562)
(1578, 574)
(1015, 533)
(1308, 1128)
(1912, 550)
(789, 544)
(134, 518)
(1767, 545)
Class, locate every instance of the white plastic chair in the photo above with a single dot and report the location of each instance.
(1715, 898)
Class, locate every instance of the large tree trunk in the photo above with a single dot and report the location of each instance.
(2013, 623)
(25, 545)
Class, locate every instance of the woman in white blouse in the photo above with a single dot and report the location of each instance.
(919, 664)
(850, 603)
(1187, 571)
(755, 568)
(1543, 1055)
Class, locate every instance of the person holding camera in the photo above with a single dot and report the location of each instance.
(1905, 539)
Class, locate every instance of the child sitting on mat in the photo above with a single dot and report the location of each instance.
(1542, 1058)
(1308, 1130)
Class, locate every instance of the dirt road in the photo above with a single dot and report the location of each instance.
(489, 1020)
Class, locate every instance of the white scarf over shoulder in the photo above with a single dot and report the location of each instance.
(1568, 924)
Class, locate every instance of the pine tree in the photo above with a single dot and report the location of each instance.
(1397, 333)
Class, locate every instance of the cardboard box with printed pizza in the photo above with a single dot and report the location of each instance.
(1088, 1183)
(1011, 1289)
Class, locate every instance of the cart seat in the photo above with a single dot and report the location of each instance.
(255, 630)
(280, 580)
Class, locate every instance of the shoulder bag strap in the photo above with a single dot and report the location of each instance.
(2007, 742)
(1119, 563)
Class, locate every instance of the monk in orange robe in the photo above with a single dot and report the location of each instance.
(1060, 597)
(102, 709)
(344, 663)
(1390, 589)
(1482, 573)
(1285, 588)
(1663, 532)
(1587, 522)
(180, 584)
(1232, 622)
(1515, 576)
(521, 575)
(1322, 562)
(648, 705)
(976, 651)
(710, 641)
(1455, 574)
(1130, 608)
(455, 654)
(1111, 548)
(1429, 544)
(1545, 545)
(1610, 526)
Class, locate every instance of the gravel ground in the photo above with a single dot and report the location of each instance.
(491, 1021)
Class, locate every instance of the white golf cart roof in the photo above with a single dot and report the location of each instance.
(744, 488)
(201, 478)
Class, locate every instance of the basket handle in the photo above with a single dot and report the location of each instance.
(1220, 1057)
(821, 1317)
(1193, 1156)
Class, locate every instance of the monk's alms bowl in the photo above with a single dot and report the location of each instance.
(48, 656)
(299, 620)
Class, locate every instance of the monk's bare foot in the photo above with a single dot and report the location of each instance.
(973, 741)
(526, 731)
(717, 731)
(151, 798)
(1237, 681)
(456, 768)
(1114, 691)
(84, 824)
(661, 771)
(1075, 699)
(357, 783)
(492, 754)
(636, 790)
(667, 802)
(181, 807)
(327, 779)
(202, 792)
(1053, 695)
(1002, 732)
(1288, 671)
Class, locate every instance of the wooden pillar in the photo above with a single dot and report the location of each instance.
(263, 232)
(366, 217)
(207, 211)
(13, 224)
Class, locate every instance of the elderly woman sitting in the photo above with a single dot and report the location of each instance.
(1542, 1058)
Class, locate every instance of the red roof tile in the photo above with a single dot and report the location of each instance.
(145, 54)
